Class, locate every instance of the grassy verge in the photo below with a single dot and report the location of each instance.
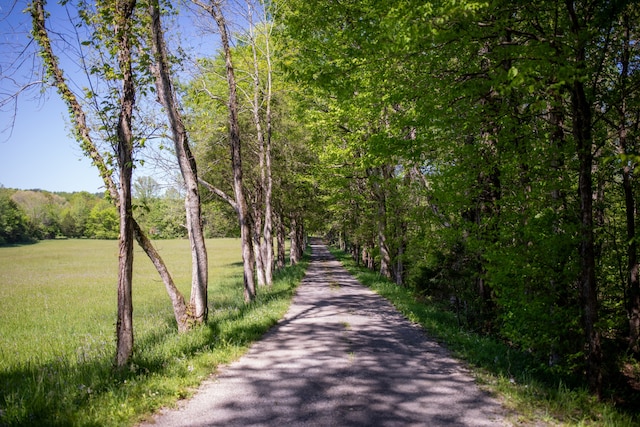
(509, 374)
(57, 314)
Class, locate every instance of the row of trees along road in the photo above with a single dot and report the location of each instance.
(124, 52)
(482, 153)
(485, 153)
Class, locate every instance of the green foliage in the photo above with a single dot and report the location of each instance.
(220, 220)
(207, 120)
(37, 214)
(75, 216)
(450, 135)
(102, 37)
(56, 339)
(14, 227)
(162, 216)
(103, 221)
(43, 210)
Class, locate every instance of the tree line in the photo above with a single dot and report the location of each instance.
(32, 215)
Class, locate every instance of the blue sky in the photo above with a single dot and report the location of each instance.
(39, 153)
(36, 150)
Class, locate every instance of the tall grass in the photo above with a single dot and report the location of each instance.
(57, 340)
(510, 374)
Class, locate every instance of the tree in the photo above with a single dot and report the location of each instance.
(115, 20)
(235, 147)
(103, 222)
(275, 158)
(259, 40)
(75, 216)
(44, 211)
(162, 216)
(167, 97)
(145, 188)
(624, 121)
(363, 101)
(13, 221)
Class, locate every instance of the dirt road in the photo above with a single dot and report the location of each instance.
(342, 356)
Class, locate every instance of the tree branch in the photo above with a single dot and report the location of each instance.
(224, 196)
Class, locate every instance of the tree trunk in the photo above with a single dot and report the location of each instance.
(354, 250)
(293, 247)
(267, 243)
(178, 303)
(381, 220)
(558, 143)
(297, 236)
(582, 122)
(588, 286)
(90, 149)
(371, 261)
(378, 181)
(267, 247)
(268, 195)
(633, 278)
(399, 272)
(342, 243)
(301, 236)
(124, 325)
(364, 256)
(236, 158)
(188, 169)
(258, 247)
(385, 257)
(263, 241)
(281, 237)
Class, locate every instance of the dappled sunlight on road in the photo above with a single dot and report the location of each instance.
(341, 356)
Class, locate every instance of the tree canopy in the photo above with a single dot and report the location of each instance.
(483, 154)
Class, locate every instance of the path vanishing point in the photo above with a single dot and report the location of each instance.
(341, 356)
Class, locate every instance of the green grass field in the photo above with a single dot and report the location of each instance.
(57, 333)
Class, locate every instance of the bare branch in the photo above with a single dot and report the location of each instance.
(224, 196)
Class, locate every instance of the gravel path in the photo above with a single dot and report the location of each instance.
(341, 356)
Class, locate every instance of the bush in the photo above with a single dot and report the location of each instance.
(103, 222)
(13, 221)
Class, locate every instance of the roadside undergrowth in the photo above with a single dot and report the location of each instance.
(507, 373)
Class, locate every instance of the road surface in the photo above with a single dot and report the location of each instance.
(341, 356)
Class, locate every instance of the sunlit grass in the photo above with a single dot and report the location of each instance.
(506, 372)
(57, 333)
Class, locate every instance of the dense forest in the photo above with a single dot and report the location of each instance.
(482, 154)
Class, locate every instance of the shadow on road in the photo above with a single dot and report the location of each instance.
(341, 356)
